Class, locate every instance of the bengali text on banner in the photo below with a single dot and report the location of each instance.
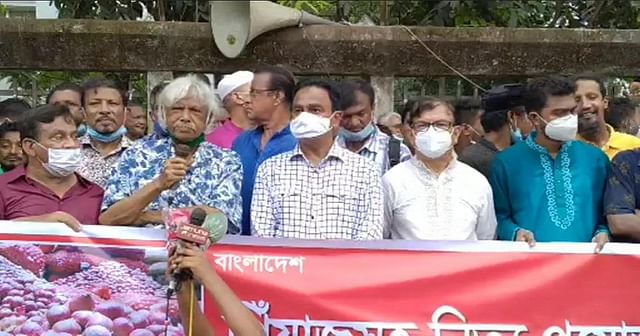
(336, 288)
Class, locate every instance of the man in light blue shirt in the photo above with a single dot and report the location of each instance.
(271, 97)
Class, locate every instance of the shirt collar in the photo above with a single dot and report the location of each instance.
(15, 174)
(125, 142)
(488, 144)
(260, 130)
(228, 124)
(335, 152)
(167, 146)
(256, 135)
(531, 143)
(614, 141)
(370, 144)
(21, 173)
(423, 168)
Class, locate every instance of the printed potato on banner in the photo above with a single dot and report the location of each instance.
(69, 290)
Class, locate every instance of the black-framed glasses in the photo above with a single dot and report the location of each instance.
(440, 125)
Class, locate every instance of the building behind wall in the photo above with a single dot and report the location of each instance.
(42, 9)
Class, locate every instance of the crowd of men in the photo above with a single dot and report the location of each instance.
(552, 159)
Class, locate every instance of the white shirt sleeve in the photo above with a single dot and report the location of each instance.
(389, 204)
(487, 223)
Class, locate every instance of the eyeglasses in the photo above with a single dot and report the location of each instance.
(440, 125)
(255, 92)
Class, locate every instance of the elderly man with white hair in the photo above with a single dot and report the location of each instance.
(233, 91)
(181, 171)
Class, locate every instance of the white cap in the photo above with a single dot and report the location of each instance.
(232, 82)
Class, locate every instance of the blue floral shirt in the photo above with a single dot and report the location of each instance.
(213, 180)
(623, 188)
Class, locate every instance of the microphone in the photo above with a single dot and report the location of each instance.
(190, 232)
(182, 151)
(216, 225)
(212, 229)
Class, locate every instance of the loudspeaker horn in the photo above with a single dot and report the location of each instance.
(236, 23)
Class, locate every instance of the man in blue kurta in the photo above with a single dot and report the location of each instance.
(550, 187)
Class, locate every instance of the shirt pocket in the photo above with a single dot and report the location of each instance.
(289, 202)
(339, 211)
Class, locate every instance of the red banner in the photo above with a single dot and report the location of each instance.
(356, 291)
(55, 279)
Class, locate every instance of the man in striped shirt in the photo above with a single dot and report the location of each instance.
(318, 190)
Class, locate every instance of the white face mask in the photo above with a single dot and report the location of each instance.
(62, 162)
(308, 125)
(562, 129)
(433, 143)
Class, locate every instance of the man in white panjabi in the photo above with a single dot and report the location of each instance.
(433, 196)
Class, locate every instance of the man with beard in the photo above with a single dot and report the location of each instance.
(136, 123)
(70, 95)
(11, 155)
(10, 148)
(592, 128)
(104, 106)
(319, 190)
(549, 187)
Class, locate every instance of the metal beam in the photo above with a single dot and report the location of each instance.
(90, 45)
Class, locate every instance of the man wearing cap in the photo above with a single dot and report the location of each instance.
(502, 105)
(233, 91)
